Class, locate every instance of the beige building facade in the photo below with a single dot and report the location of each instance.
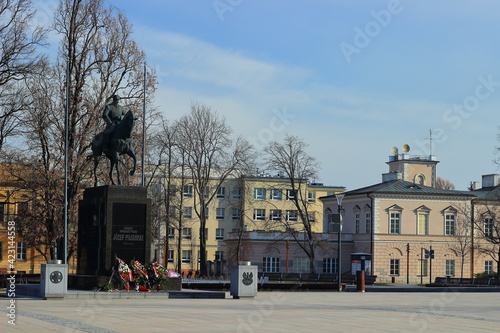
(241, 205)
(413, 230)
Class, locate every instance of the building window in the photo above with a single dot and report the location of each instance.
(219, 255)
(186, 233)
(395, 223)
(1, 250)
(291, 216)
(420, 179)
(188, 212)
(219, 234)
(171, 232)
(311, 196)
(275, 194)
(423, 218)
(236, 214)
(450, 267)
(259, 214)
(172, 189)
(188, 191)
(330, 265)
(220, 213)
(236, 193)
(21, 251)
(368, 223)
(488, 227)
(449, 224)
(311, 216)
(170, 255)
(171, 211)
(270, 265)
(275, 215)
(259, 193)
(301, 265)
(357, 218)
(22, 208)
(2, 211)
(394, 269)
(488, 266)
(221, 192)
(291, 194)
(186, 256)
(422, 267)
(206, 235)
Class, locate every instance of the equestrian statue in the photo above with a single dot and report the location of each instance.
(115, 140)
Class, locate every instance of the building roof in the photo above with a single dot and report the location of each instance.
(404, 187)
(487, 193)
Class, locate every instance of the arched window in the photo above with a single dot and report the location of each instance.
(419, 179)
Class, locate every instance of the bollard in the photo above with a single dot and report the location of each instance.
(53, 279)
(244, 280)
(360, 281)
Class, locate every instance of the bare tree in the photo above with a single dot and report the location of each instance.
(487, 224)
(211, 156)
(40, 225)
(239, 201)
(18, 59)
(172, 171)
(298, 167)
(460, 232)
(99, 59)
(444, 184)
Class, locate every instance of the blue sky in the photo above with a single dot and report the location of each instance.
(352, 78)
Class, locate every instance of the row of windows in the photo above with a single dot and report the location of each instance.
(422, 267)
(7, 208)
(272, 265)
(221, 192)
(259, 193)
(186, 256)
(422, 226)
(220, 213)
(187, 233)
(300, 265)
(258, 214)
(21, 248)
(277, 215)
(367, 223)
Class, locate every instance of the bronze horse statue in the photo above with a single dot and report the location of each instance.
(114, 141)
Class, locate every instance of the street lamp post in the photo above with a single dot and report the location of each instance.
(339, 243)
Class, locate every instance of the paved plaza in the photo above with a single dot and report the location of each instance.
(452, 311)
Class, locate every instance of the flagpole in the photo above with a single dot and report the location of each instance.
(143, 128)
(65, 199)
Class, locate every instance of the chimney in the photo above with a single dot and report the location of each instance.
(387, 177)
(490, 180)
(475, 185)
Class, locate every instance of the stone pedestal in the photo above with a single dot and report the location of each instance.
(53, 281)
(244, 280)
(114, 221)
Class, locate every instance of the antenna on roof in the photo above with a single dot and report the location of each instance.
(430, 142)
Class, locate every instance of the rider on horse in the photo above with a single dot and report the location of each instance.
(116, 139)
(112, 115)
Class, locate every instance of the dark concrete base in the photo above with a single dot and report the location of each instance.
(87, 282)
(114, 221)
(97, 282)
(33, 291)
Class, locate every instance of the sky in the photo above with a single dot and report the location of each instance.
(350, 78)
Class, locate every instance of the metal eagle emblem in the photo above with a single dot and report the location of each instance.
(247, 278)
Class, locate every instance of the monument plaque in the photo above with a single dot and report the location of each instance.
(113, 222)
